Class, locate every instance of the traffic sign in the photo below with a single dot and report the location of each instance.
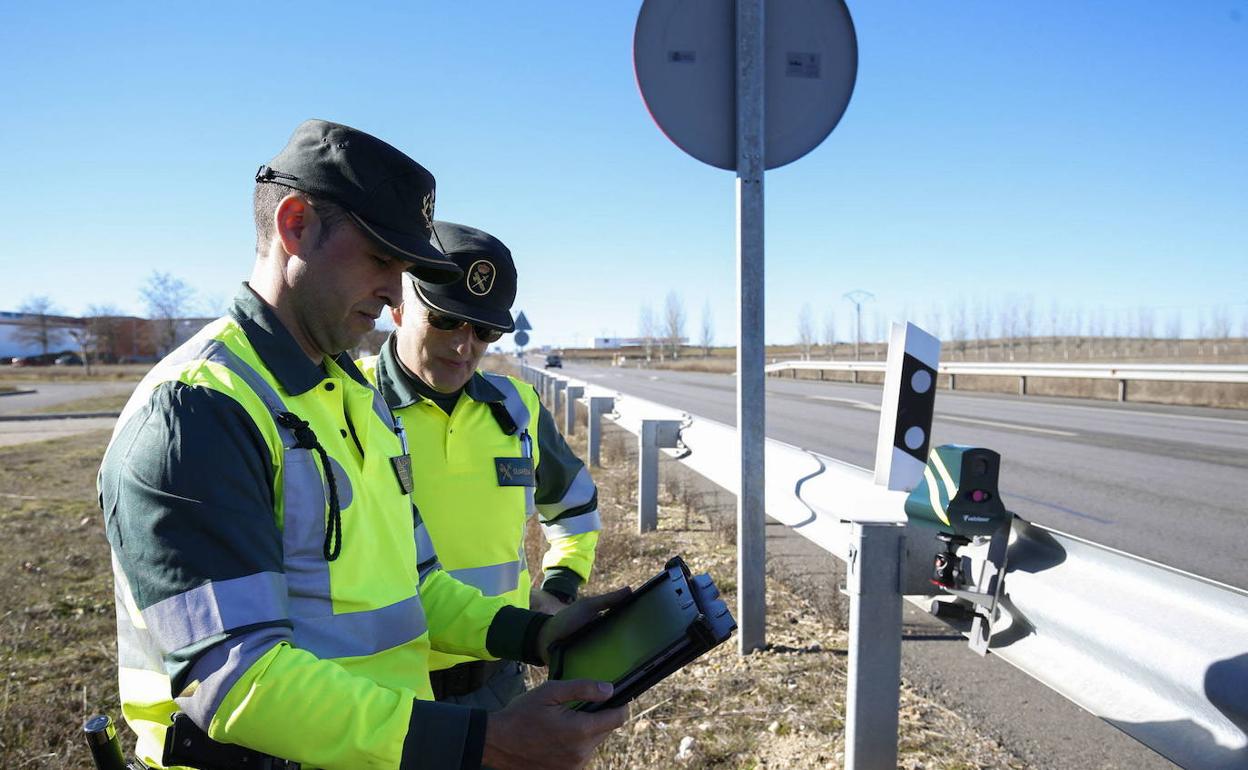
(522, 324)
(684, 56)
(522, 337)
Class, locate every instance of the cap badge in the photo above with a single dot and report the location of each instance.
(426, 209)
(481, 277)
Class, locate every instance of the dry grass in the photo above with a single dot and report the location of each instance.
(56, 612)
(107, 404)
(108, 372)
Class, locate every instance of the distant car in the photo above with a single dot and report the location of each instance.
(69, 359)
(554, 362)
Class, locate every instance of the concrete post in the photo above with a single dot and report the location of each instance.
(557, 401)
(598, 406)
(574, 392)
(654, 434)
(873, 691)
(1022, 386)
(1122, 390)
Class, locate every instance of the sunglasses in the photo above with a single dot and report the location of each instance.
(448, 324)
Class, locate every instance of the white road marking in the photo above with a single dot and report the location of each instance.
(849, 401)
(1010, 425)
(992, 423)
(1110, 410)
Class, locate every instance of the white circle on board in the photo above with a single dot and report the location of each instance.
(914, 437)
(921, 381)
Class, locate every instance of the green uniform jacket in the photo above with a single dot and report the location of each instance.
(481, 471)
(241, 602)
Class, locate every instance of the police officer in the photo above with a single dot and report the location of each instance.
(272, 581)
(486, 452)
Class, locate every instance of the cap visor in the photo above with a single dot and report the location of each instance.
(495, 319)
(427, 263)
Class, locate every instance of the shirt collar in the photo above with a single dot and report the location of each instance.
(398, 385)
(277, 348)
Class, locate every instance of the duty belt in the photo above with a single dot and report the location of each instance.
(463, 679)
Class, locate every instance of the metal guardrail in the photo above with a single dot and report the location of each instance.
(1157, 652)
(1228, 373)
(1124, 373)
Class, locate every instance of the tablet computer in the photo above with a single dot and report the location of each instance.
(669, 621)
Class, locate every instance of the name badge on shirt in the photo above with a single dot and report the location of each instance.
(514, 471)
(403, 472)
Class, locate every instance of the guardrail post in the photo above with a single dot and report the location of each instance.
(557, 401)
(654, 434)
(1122, 390)
(1022, 385)
(854, 373)
(953, 381)
(873, 691)
(598, 406)
(569, 416)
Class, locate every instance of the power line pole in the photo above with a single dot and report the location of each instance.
(857, 297)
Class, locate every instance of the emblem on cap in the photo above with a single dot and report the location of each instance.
(481, 277)
(426, 209)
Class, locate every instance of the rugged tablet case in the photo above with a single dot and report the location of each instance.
(684, 611)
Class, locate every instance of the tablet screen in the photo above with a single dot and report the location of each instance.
(627, 638)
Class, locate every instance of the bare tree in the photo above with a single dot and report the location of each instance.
(103, 327)
(806, 330)
(674, 322)
(707, 335)
(1174, 331)
(933, 321)
(167, 299)
(829, 333)
(1220, 327)
(1027, 322)
(958, 326)
(982, 320)
(646, 329)
(37, 328)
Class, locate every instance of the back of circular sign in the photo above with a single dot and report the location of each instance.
(684, 56)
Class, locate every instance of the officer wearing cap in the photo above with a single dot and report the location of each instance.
(486, 453)
(273, 581)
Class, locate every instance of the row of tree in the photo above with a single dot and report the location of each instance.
(97, 335)
(1011, 328)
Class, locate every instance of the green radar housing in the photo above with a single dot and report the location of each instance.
(958, 492)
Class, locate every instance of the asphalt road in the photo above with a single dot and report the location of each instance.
(1166, 483)
(52, 393)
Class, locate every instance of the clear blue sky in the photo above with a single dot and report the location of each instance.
(1089, 153)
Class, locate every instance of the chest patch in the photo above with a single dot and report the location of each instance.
(514, 471)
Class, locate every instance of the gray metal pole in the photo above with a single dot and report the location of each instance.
(598, 406)
(873, 691)
(751, 353)
(569, 415)
(648, 477)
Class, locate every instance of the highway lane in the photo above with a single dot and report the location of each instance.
(1166, 483)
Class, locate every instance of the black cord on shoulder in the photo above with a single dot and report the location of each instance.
(305, 438)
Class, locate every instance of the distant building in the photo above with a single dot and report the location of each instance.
(114, 338)
(14, 343)
(611, 343)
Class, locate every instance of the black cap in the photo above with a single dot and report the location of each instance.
(484, 293)
(388, 194)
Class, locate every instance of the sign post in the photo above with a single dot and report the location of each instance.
(747, 86)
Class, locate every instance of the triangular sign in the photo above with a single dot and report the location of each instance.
(522, 323)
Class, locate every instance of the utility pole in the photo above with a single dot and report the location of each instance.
(857, 297)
